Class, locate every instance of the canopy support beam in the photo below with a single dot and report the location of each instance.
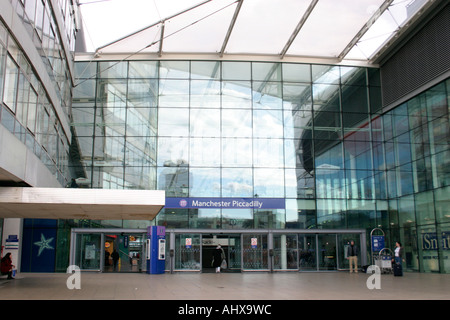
(231, 27)
(298, 27)
(365, 28)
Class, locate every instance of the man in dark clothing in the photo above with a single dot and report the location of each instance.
(115, 257)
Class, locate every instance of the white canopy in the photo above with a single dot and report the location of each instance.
(337, 29)
(78, 203)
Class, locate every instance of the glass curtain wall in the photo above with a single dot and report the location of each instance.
(27, 112)
(313, 135)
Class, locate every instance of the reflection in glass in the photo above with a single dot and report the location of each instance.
(236, 70)
(173, 93)
(269, 218)
(173, 152)
(205, 219)
(143, 69)
(140, 178)
(268, 153)
(267, 124)
(142, 122)
(174, 70)
(205, 70)
(205, 122)
(204, 182)
(325, 74)
(297, 97)
(237, 182)
(267, 95)
(331, 213)
(236, 94)
(173, 122)
(237, 219)
(299, 184)
(204, 152)
(354, 99)
(296, 72)
(175, 181)
(142, 93)
(205, 94)
(297, 124)
(269, 183)
(113, 69)
(237, 123)
(237, 152)
(326, 97)
(266, 71)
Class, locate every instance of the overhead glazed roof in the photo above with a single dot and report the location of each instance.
(334, 29)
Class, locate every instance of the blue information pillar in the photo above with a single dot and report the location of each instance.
(156, 250)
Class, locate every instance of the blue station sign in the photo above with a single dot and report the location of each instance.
(225, 203)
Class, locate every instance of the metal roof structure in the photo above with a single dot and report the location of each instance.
(339, 30)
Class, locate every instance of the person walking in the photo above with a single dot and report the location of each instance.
(7, 266)
(352, 256)
(217, 258)
(115, 257)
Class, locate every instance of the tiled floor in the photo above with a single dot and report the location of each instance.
(223, 286)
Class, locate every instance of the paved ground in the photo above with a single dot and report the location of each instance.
(223, 286)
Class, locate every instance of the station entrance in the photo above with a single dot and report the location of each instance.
(113, 250)
(244, 250)
(266, 250)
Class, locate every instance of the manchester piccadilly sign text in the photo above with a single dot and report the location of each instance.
(225, 203)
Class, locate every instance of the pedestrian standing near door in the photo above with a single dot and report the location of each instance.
(115, 257)
(352, 256)
(217, 258)
(398, 259)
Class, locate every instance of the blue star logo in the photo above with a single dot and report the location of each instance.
(44, 244)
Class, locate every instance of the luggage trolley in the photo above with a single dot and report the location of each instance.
(384, 260)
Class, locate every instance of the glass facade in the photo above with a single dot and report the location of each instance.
(25, 107)
(314, 136)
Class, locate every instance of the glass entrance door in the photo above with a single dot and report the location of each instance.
(307, 252)
(231, 246)
(88, 252)
(234, 260)
(327, 251)
(188, 252)
(285, 252)
(255, 253)
(124, 252)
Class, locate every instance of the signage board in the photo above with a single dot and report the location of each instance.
(225, 203)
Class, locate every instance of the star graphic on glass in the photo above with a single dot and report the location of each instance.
(44, 244)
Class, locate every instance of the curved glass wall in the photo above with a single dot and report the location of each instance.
(312, 136)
